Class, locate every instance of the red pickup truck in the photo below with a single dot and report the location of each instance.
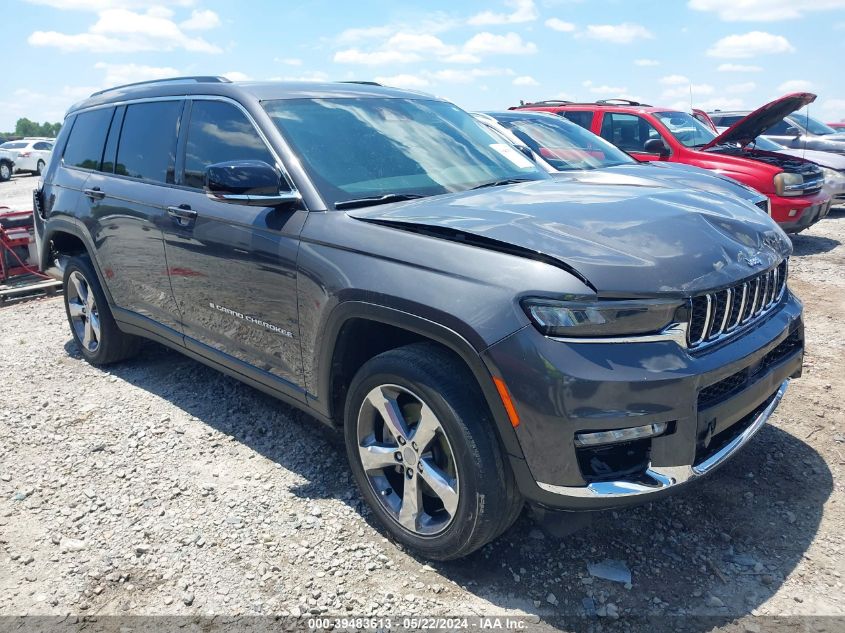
(794, 185)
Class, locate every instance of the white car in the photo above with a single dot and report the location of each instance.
(30, 154)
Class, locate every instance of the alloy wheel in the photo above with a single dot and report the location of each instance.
(408, 460)
(82, 308)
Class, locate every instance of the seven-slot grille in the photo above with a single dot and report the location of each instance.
(717, 314)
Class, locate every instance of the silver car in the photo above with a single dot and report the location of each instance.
(30, 154)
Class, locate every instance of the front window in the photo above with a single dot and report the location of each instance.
(366, 148)
(566, 146)
(686, 128)
(813, 126)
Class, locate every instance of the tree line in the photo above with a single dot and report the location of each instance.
(24, 127)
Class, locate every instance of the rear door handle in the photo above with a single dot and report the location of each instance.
(95, 193)
(182, 214)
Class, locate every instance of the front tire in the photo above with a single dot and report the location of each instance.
(39, 168)
(91, 322)
(5, 172)
(425, 455)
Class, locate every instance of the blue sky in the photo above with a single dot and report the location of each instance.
(481, 55)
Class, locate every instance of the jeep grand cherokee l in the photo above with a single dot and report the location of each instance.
(649, 133)
(483, 334)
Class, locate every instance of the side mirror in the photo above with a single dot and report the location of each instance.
(249, 182)
(656, 146)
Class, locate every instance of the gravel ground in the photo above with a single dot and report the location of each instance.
(159, 486)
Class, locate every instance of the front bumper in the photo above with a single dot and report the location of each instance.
(712, 402)
(796, 214)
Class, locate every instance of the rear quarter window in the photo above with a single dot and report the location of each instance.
(147, 146)
(85, 146)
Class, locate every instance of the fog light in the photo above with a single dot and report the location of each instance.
(620, 435)
(792, 213)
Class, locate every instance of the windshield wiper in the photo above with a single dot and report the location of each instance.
(385, 199)
(505, 181)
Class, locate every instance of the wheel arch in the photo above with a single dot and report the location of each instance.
(68, 237)
(342, 354)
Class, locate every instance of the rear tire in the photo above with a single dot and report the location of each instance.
(92, 325)
(460, 489)
(5, 172)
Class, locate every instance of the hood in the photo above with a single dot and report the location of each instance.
(753, 125)
(825, 159)
(625, 238)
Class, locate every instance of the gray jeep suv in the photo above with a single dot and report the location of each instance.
(483, 334)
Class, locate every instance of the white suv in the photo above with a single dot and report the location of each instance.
(30, 154)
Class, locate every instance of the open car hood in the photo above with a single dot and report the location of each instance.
(623, 235)
(753, 125)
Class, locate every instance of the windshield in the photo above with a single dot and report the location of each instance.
(372, 147)
(564, 145)
(767, 145)
(813, 126)
(686, 128)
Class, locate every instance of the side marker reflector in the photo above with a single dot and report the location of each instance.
(505, 395)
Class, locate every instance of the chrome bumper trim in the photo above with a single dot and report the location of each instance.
(657, 478)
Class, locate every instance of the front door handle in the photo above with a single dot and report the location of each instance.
(94, 193)
(183, 214)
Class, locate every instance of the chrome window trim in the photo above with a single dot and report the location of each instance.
(200, 97)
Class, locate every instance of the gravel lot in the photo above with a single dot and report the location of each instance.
(159, 486)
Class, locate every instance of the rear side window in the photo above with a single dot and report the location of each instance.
(42, 146)
(627, 131)
(85, 146)
(147, 147)
(584, 118)
(780, 128)
(219, 132)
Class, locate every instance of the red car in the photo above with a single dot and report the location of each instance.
(793, 185)
(839, 125)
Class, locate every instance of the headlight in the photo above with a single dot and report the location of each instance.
(601, 318)
(789, 184)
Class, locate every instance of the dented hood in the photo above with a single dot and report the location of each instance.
(753, 125)
(623, 235)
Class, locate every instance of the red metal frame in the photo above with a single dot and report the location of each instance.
(15, 233)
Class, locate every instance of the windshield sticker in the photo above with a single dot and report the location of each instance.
(513, 155)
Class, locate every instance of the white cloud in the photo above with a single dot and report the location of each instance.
(316, 75)
(125, 31)
(201, 21)
(603, 89)
(508, 44)
(618, 33)
(117, 74)
(404, 81)
(750, 45)
(763, 10)
(739, 68)
(102, 5)
(523, 11)
(525, 80)
(747, 86)
(679, 91)
(796, 85)
(288, 61)
(674, 80)
(646, 62)
(236, 75)
(356, 35)
(461, 58)
(557, 24)
(417, 43)
(374, 58)
(834, 108)
(465, 76)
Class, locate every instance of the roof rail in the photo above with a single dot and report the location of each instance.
(621, 102)
(200, 79)
(548, 102)
(363, 83)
